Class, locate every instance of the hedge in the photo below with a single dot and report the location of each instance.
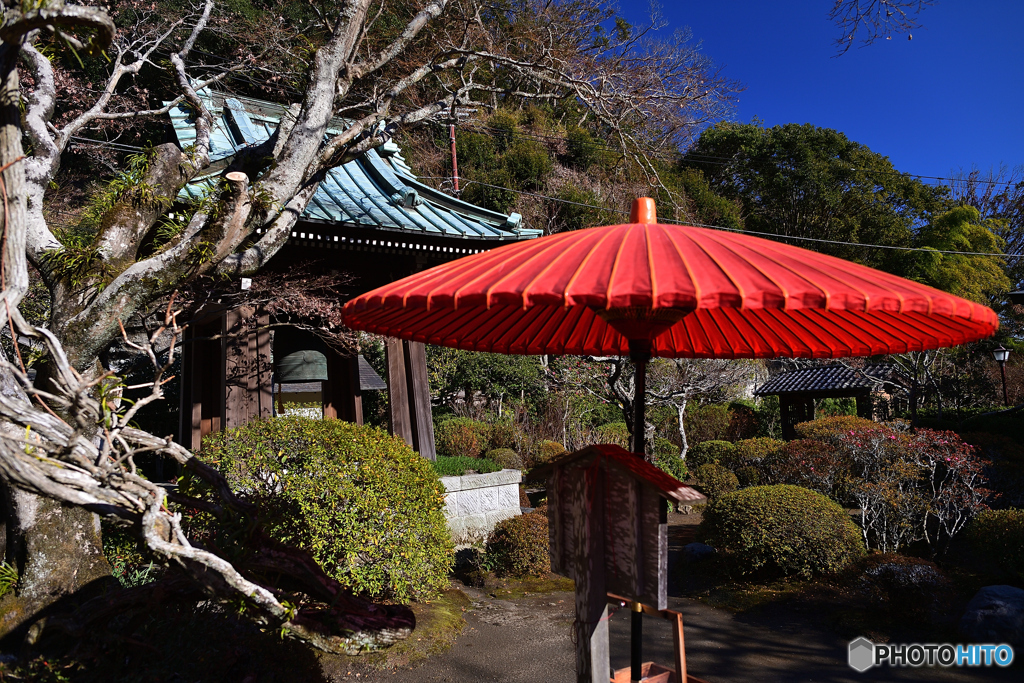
(781, 529)
(456, 467)
(998, 537)
(367, 508)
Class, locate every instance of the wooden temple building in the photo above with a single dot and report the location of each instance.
(370, 219)
(799, 389)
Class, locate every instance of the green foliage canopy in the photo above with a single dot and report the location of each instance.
(806, 181)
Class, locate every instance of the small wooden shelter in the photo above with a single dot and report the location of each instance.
(799, 389)
(371, 219)
(608, 526)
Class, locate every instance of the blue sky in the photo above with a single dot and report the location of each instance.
(953, 97)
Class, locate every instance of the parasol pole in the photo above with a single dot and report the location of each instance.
(639, 353)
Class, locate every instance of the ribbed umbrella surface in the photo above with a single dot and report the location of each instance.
(738, 296)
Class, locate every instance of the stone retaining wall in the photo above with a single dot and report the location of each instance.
(474, 503)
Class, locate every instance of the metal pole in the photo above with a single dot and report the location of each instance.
(1002, 370)
(636, 641)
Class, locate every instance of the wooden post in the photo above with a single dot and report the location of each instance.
(264, 369)
(786, 416)
(355, 390)
(239, 390)
(342, 398)
(591, 625)
(865, 407)
(419, 399)
(680, 646)
(398, 391)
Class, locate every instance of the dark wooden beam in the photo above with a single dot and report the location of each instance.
(419, 399)
(398, 391)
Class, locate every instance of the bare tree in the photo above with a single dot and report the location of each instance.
(675, 382)
(871, 20)
(381, 80)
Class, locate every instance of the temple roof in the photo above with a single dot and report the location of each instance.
(377, 191)
(827, 378)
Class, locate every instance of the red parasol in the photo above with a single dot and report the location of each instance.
(666, 290)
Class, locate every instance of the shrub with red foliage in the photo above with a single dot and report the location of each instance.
(812, 464)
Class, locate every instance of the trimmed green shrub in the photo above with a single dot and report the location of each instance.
(673, 465)
(781, 529)
(456, 467)
(714, 480)
(708, 452)
(461, 437)
(506, 457)
(998, 537)
(902, 583)
(367, 508)
(751, 452)
(518, 546)
(614, 433)
(545, 450)
(827, 428)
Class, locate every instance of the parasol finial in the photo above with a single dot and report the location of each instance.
(643, 211)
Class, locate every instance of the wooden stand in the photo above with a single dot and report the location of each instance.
(655, 673)
(608, 532)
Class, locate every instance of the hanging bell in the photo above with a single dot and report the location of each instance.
(299, 356)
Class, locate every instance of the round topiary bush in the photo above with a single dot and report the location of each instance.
(545, 450)
(751, 452)
(366, 507)
(505, 434)
(903, 583)
(998, 537)
(714, 480)
(708, 452)
(748, 475)
(781, 529)
(461, 437)
(506, 457)
(518, 546)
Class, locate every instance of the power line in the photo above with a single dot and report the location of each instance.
(772, 235)
(754, 232)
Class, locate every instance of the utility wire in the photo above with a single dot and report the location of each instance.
(772, 235)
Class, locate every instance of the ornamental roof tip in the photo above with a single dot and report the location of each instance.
(378, 190)
(826, 378)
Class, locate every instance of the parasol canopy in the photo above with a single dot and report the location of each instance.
(685, 291)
